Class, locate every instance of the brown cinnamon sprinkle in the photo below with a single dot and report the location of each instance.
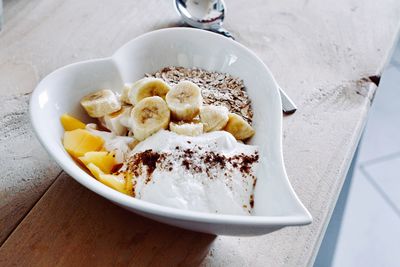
(146, 158)
(196, 160)
(116, 167)
(210, 159)
(252, 201)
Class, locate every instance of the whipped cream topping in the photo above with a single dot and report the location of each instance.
(208, 173)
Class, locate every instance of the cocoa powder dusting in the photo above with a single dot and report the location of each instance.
(116, 167)
(252, 201)
(196, 159)
(191, 161)
(147, 158)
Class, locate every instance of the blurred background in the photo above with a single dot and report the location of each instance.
(365, 227)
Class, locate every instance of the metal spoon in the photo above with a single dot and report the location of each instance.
(209, 15)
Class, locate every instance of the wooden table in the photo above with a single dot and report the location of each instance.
(326, 54)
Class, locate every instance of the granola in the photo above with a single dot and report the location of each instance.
(217, 88)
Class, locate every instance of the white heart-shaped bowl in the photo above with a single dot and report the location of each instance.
(276, 204)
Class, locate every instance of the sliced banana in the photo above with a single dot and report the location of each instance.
(189, 129)
(214, 118)
(146, 87)
(148, 116)
(184, 100)
(100, 103)
(125, 118)
(238, 127)
(118, 122)
(124, 93)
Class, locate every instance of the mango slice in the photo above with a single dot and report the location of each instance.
(70, 123)
(102, 159)
(79, 141)
(129, 185)
(117, 182)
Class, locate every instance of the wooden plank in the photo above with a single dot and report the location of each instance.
(23, 163)
(38, 37)
(320, 52)
(72, 226)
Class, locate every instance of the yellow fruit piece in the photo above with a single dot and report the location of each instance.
(116, 182)
(238, 127)
(129, 184)
(79, 141)
(96, 171)
(102, 159)
(70, 123)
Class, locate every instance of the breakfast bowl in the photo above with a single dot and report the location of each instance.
(276, 205)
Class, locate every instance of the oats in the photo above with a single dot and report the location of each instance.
(217, 88)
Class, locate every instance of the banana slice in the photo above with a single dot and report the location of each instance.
(189, 129)
(100, 103)
(146, 87)
(148, 116)
(124, 93)
(214, 118)
(118, 122)
(238, 127)
(184, 100)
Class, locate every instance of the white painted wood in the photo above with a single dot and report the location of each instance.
(25, 170)
(319, 51)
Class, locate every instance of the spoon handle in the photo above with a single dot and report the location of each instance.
(288, 106)
(224, 32)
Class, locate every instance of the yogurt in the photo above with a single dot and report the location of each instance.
(207, 173)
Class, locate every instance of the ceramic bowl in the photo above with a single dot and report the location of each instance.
(276, 204)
